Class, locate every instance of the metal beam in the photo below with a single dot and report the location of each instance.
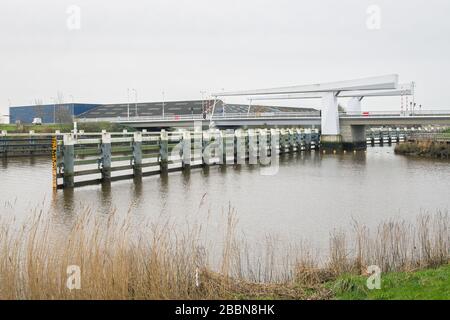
(372, 83)
(403, 89)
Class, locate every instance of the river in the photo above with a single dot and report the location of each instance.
(310, 195)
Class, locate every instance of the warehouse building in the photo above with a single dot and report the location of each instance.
(65, 113)
(178, 108)
(4, 119)
(49, 113)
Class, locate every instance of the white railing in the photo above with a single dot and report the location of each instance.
(207, 117)
(423, 113)
(267, 115)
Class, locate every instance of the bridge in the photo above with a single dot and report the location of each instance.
(339, 130)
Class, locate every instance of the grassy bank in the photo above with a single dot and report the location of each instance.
(428, 284)
(119, 259)
(64, 127)
(425, 148)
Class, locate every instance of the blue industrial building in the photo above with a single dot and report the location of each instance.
(68, 112)
(49, 113)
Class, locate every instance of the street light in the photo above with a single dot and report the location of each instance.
(135, 106)
(163, 98)
(128, 99)
(203, 102)
(73, 108)
(54, 110)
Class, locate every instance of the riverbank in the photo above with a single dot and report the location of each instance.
(424, 148)
(106, 257)
(63, 127)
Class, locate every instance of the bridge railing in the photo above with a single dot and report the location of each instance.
(391, 113)
(200, 117)
(269, 115)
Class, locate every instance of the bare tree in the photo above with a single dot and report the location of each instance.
(38, 109)
(63, 113)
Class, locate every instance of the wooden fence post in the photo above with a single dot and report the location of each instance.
(239, 146)
(308, 139)
(252, 146)
(69, 161)
(164, 151)
(206, 139)
(186, 156)
(137, 154)
(292, 147)
(106, 156)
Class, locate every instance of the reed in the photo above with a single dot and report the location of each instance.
(120, 259)
(427, 148)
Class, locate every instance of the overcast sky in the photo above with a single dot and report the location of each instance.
(184, 47)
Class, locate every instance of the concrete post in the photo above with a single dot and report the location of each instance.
(206, 138)
(296, 133)
(308, 139)
(106, 156)
(252, 146)
(186, 157)
(315, 137)
(69, 160)
(281, 136)
(292, 146)
(239, 146)
(262, 146)
(227, 144)
(164, 151)
(274, 142)
(137, 154)
(354, 137)
(354, 106)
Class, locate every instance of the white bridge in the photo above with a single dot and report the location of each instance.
(338, 129)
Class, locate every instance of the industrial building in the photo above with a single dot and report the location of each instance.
(177, 108)
(49, 113)
(4, 119)
(63, 113)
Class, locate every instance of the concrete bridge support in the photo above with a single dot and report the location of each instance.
(354, 137)
(354, 105)
(330, 138)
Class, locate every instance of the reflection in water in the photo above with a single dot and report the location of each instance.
(311, 194)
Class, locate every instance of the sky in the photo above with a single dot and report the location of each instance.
(93, 50)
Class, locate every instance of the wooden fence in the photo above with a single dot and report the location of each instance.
(87, 159)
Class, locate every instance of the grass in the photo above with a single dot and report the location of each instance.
(429, 284)
(64, 127)
(156, 259)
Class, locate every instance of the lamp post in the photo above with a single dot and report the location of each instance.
(135, 100)
(128, 103)
(73, 108)
(203, 103)
(54, 110)
(163, 98)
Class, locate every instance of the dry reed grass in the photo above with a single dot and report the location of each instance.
(119, 260)
(426, 148)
